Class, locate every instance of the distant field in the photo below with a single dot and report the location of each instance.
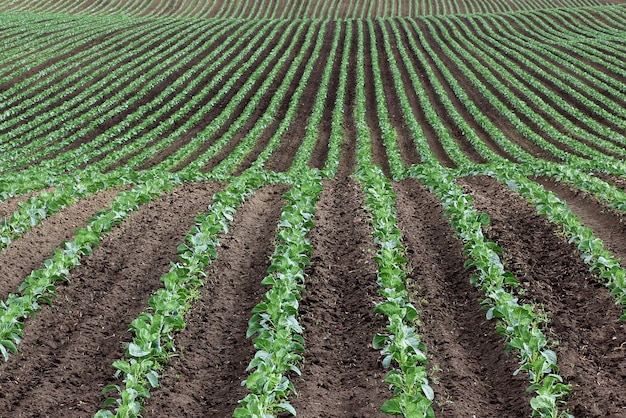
(357, 209)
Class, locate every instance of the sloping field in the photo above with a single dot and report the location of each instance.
(329, 208)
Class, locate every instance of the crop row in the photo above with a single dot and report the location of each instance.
(275, 9)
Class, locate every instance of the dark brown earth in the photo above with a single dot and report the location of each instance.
(341, 373)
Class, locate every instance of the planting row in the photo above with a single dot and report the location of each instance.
(275, 9)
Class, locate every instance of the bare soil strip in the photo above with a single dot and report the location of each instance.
(38, 244)
(205, 381)
(606, 223)
(341, 373)
(583, 317)
(66, 355)
(471, 374)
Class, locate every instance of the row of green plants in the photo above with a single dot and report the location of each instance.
(265, 73)
(152, 118)
(598, 161)
(520, 324)
(274, 323)
(387, 130)
(39, 287)
(274, 9)
(336, 139)
(28, 41)
(524, 73)
(311, 130)
(600, 260)
(280, 95)
(403, 352)
(67, 117)
(585, 86)
(401, 348)
(515, 104)
(154, 330)
(182, 109)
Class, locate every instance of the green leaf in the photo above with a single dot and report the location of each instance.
(550, 356)
(428, 392)
(392, 407)
(135, 351)
(293, 324)
(379, 341)
(9, 344)
(153, 378)
(5, 353)
(287, 407)
(109, 388)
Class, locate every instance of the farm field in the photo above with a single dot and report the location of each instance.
(322, 208)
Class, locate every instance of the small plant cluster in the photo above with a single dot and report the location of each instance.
(153, 342)
(400, 345)
(520, 324)
(274, 323)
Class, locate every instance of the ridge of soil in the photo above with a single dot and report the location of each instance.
(205, 379)
(469, 370)
(38, 244)
(67, 350)
(341, 372)
(583, 316)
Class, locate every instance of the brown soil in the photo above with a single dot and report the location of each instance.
(214, 352)
(341, 372)
(19, 259)
(553, 275)
(76, 340)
